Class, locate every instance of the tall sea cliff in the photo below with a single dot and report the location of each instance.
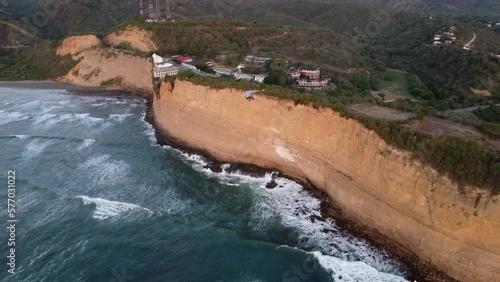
(449, 227)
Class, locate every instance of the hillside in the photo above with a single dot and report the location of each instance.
(56, 19)
(334, 35)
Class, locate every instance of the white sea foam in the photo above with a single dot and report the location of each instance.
(298, 209)
(100, 104)
(35, 148)
(49, 120)
(106, 208)
(22, 136)
(9, 117)
(85, 144)
(354, 271)
(119, 117)
(102, 171)
(150, 132)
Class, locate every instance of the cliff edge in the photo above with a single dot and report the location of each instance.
(453, 229)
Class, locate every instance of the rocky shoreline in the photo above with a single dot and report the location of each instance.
(415, 269)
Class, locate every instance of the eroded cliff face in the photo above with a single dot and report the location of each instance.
(374, 183)
(136, 37)
(101, 66)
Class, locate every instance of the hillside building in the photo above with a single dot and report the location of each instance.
(250, 59)
(314, 84)
(309, 78)
(166, 69)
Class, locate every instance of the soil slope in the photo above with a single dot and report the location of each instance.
(374, 183)
(75, 44)
(137, 38)
(98, 65)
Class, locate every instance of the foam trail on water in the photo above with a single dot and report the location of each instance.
(22, 136)
(35, 148)
(49, 120)
(354, 271)
(106, 208)
(85, 144)
(9, 117)
(119, 117)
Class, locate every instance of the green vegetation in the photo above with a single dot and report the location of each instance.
(39, 62)
(205, 68)
(464, 161)
(490, 116)
(56, 20)
(394, 81)
(492, 128)
(228, 41)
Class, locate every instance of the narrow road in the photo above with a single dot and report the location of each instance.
(472, 41)
(29, 34)
(466, 110)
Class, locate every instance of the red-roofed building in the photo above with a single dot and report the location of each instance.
(184, 59)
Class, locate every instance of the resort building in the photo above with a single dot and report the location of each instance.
(314, 84)
(256, 60)
(250, 77)
(309, 78)
(166, 69)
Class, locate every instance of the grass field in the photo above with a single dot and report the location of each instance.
(394, 81)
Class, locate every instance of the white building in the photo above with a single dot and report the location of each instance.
(314, 84)
(256, 60)
(166, 69)
(250, 77)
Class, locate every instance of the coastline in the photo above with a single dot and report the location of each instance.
(449, 227)
(77, 89)
(416, 269)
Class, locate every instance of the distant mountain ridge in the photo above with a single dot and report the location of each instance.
(56, 19)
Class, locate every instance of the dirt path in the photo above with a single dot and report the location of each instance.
(19, 29)
(472, 41)
(465, 110)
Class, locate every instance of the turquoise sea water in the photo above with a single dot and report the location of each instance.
(98, 200)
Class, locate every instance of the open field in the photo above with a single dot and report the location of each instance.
(434, 128)
(394, 81)
(380, 112)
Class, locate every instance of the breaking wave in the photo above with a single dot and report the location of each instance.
(106, 208)
(35, 148)
(352, 258)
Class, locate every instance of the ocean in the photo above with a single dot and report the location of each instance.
(96, 199)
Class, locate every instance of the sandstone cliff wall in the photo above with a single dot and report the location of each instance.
(374, 183)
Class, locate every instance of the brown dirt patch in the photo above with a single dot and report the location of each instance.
(435, 127)
(138, 38)
(75, 44)
(478, 92)
(99, 65)
(387, 95)
(380, 112)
